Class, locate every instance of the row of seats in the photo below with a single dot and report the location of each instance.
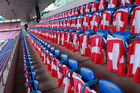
(91, 7)
(31, 84)
(10, 26)
(81, 34)
(94, 46)
(68, 72)
(5, 52)
(9, 35)
(119, 17)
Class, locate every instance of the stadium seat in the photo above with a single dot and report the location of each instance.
(31, 85)
(84, 81)
(30, 76)
(107, 86)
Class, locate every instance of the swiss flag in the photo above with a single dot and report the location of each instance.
(60, 75)
(68, 23)
(82, 10)
(101, 5)
(69, 41)
(94, 23)
(85, 45)
(79, 24)
(97, 52)
(135, 21)
(125, 2)
(58, 24)
(94, 7)
(55, 37)
(86, 22)
(79, 83)
(72, 12)
(112, 3)
(59, 37)
(73, 23)
(61, 24)
(63, 39)
(76, 42)
(29, 88)
(65, 24)
(120, 20)
(115, 55)
(76, 11)
(87, 8)
(134, 61)
(68, 84)
(105, 20)
(49, 61)
(137, 2)
(54, 67)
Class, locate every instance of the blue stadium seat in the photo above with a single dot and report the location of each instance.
(73, 66)
(64, 60)
(107, 86)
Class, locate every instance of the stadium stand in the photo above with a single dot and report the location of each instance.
(103, 34)
(85, 46)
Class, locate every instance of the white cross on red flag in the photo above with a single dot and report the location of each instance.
(120, 20)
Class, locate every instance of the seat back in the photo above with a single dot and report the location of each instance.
(52, 49)
(138, 36)
(121, 35)
(64, 57)
(35, 84)
(48, 47)
(33, 75)
(102, 32)
(89, 32)
(107, 86)
(57, 53)
(87, 74)
(73, 63)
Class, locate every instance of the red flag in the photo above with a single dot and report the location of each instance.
(115, 55)
(97, 52)
(101, 5)
(135, 23)
(85, 45)
(105, 20)
(76, 11)
(79, 83)
(68, 84)
(87, 8)
(94, 23)
(85, 22)
(76, 42)
(54, 67)
(82, 10)
(73, 23)
(112, 3)
(69, 41)
(68, 23)
(137, 2)
(94, 7)
(49, 61)
(79, 24)
(134, 61)
(120, 20)
(125, 2)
